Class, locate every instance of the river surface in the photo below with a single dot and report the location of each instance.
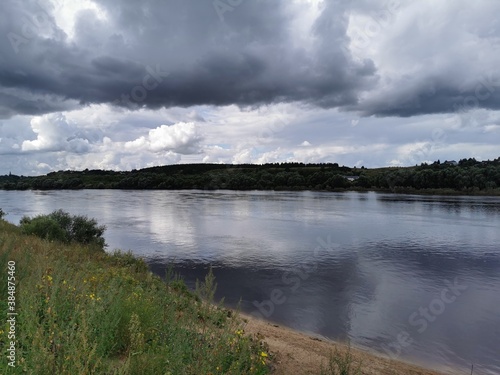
(413, 277)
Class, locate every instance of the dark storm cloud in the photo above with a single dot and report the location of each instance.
(435, 98)
(11, 105)
(430, 60)
(245, 60)
(180, 53)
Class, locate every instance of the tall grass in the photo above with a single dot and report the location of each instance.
(341, 364)
(87, 312)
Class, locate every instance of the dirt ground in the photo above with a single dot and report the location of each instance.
(299, 353)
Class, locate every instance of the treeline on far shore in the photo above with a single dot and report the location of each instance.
(468, 176)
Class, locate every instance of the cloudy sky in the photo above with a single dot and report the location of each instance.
(123, 84)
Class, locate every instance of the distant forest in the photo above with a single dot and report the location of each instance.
(468, 176)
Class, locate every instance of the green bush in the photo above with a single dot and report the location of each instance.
(61, 226)
(44, 227)
(63, 219)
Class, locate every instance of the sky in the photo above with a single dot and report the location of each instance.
(124, 84)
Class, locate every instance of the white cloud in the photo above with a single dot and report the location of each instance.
(182, 138)
(54, 133)
(124, 140)
(273, 156)
(43, 167)
(217, 154)
(50, 136)
(66, 13)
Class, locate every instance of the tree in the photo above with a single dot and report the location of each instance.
(364, 181)
(296, 180)
(337, 181)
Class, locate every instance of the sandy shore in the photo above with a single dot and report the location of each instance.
(299, 353)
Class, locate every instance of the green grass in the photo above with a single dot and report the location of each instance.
(87, 312)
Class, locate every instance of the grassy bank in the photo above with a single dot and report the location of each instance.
(82, 311)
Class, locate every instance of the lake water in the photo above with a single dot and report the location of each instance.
(413, 277)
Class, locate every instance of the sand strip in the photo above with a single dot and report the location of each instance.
(300, 353)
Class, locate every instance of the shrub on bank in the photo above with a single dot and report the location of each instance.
(61, 226)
